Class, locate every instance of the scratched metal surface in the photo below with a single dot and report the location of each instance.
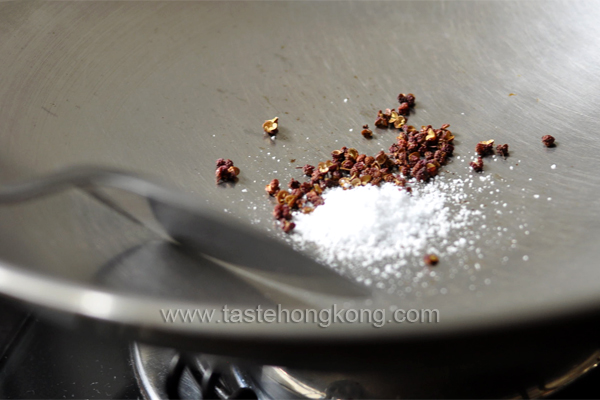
(166, 88)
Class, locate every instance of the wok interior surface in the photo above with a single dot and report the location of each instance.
(168, 87)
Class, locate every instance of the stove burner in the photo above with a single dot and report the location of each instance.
(213, 382)
(165, 373)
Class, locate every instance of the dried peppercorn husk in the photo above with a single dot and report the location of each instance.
(432, 169)
(485, 148)
(352, 154)
(271, 126)
(431, 136)
(281, 195)
(397, 120)
(323, 168)
(382, 120)
(337, 155)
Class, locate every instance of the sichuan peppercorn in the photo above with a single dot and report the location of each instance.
(403, 109)
(337, 155)
(548, 140)
(485, 148)
(282, 212)
(431, 259)
(397, 120)
(226, 171)
(314, 198)
(407, 98)
(382, 120)
(477, 165)
(293, 184)
(502, 150)
(287, 226)
(271, 126)
(273, 187)
(305, 187)
(418, 154)
(347, 165)
(226, 162)
(308, 169)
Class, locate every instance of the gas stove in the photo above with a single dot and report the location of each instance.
(42, 360)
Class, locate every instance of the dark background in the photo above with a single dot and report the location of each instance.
(40, 360)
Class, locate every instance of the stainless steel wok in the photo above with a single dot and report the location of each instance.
(166, 88)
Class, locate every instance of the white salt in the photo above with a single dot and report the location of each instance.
(371, 225)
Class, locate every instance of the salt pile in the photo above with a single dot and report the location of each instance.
(387, 226)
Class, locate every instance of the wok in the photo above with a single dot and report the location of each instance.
(166, 88)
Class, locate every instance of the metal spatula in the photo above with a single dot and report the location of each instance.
(196, 228)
